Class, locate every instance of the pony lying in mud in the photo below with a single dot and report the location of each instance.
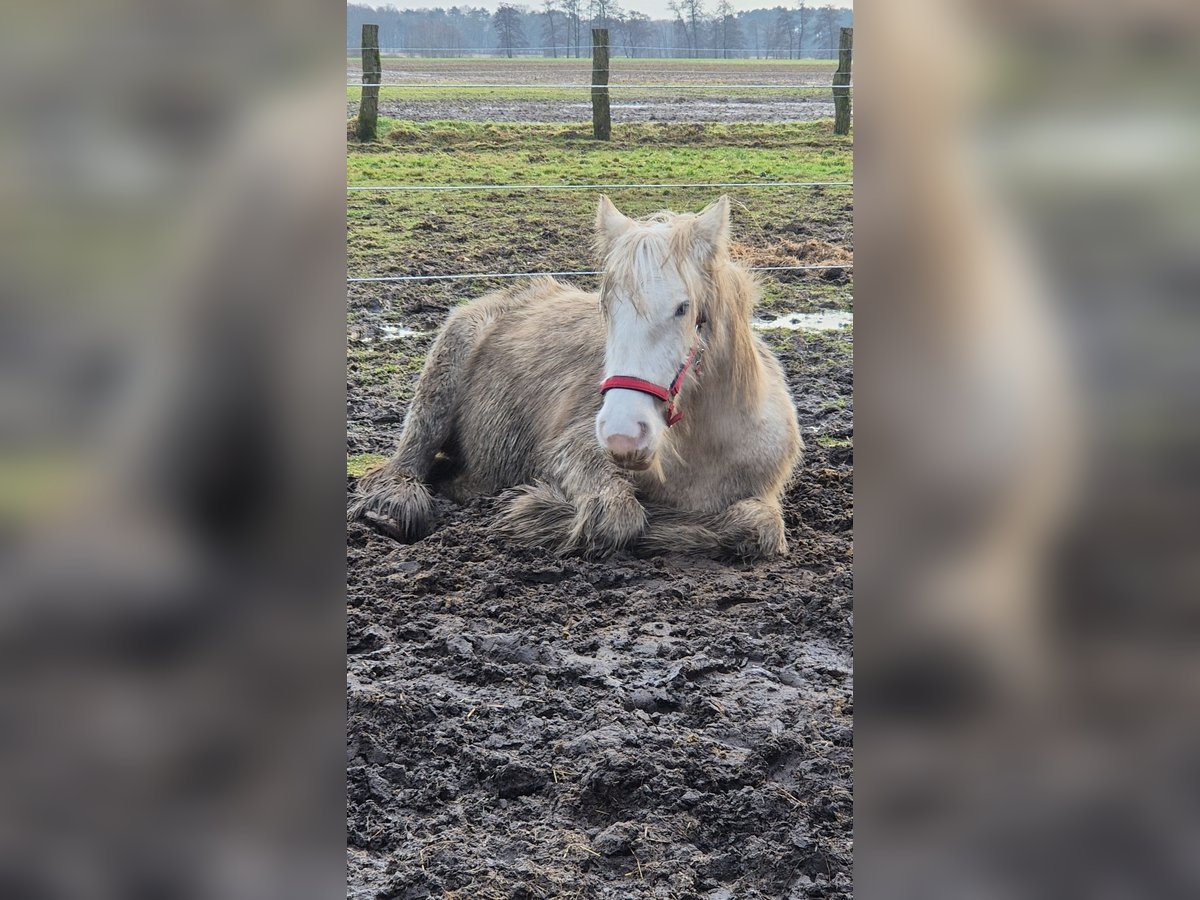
(649, 418)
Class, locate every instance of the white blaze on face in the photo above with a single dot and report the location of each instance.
(644, 341)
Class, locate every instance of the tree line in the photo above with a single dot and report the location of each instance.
(562, 28)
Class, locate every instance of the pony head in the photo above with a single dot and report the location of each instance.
(654, 293)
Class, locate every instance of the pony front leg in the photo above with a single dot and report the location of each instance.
(585, 507)
(748, 530)
(752, 529)
(606, 521)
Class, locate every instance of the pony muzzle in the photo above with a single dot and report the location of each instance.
(626, 429)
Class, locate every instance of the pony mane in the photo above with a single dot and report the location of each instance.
(660, 239)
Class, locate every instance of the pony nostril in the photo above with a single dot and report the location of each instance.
(621, 445)
(643, 431)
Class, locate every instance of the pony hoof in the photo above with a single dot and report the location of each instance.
(752, 530)
(605, 525)
(399, 505)
(535, 515)
(758, 547)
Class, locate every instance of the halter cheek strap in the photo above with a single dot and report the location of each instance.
(666, 394)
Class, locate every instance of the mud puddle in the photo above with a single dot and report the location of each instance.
(822, 320)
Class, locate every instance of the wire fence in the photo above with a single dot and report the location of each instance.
(468, 276)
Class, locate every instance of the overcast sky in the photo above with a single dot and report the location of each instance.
(656, 9)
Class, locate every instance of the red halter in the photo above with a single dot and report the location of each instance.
(666, 394)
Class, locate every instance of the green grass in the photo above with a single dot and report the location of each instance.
(804, 139)
(38, 482)
(779, 299)
(384, 366)
(361, 463)
(529, 231)
(832, 443)
(466, 152)
(835, 404)
(833, 348)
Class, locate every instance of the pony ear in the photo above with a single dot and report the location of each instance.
(611, 223)
(711, 231)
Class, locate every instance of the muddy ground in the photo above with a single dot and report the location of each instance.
(528, 70)
(628, 105)
(523, 727)
(710, 108)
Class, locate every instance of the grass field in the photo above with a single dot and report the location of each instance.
(403, 232)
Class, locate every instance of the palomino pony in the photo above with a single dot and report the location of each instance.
(648, 418)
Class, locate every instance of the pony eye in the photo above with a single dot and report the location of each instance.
(682, 309)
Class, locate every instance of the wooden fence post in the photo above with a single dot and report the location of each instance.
(841, 80)
(601, 117)
(372, 74)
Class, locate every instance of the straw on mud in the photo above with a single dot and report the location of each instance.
(577, 842)
(788, 794)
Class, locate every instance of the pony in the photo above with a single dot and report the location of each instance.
(648, 417)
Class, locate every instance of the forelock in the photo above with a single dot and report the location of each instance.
(656, 242)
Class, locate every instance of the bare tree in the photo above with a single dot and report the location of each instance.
(690, 14)
(548, 30)
(695, 16)
(638, 32)
(798, 23)
(620, 36)
(617, 18)
(727, 33)
(676, 8)
(571, 31)
(782, 34)
(600, 11)
(680, 36)
(507, 24)
(826, 27)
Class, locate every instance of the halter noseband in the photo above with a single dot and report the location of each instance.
(666, 394)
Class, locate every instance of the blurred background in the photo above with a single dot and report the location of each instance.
(1028, 215)
(172, 453)
(171, 450)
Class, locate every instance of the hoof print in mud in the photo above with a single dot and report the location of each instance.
(616, 839)
(516, 780)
